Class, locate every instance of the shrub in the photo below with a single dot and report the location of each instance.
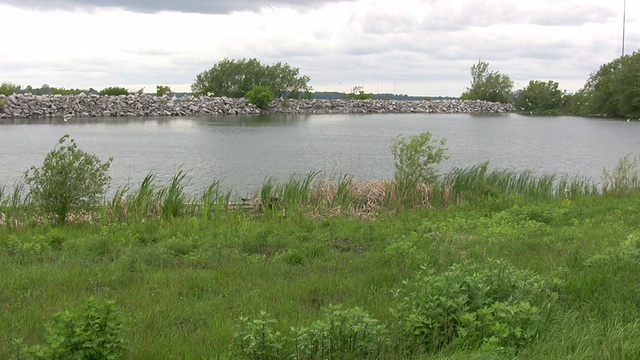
(471, 305)
(114, 90)
(260, 96)
(69, 177)
(162, 90)
(257, 339)
(415, 159)
(92, 332)
(8, 88)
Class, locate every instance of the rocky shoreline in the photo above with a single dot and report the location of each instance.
(82, 105)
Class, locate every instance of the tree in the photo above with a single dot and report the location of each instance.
(540, 97)
(114, 90)
(68, 178)
(488, 85)
(614, 90)
(260, 96)
(415, 159)
(357, 93)
(7, 88)
(234, 78)
(162, 90)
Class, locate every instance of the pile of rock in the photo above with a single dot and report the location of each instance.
(82, 105)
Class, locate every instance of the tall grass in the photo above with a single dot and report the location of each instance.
(213, 200)
(173, 199)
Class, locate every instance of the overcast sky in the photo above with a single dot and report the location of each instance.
(415, 47)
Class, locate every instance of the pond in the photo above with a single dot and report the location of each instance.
(242, 151)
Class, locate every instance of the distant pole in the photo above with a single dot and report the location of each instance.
(624, 24)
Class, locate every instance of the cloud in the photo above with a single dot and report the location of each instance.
(145, 6)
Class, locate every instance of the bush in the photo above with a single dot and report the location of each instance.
(91, 332)
(69, 178)
(415, 159)
(470, 306)
(162, 90)
(260, 96)
(7, 88)
(114, 90)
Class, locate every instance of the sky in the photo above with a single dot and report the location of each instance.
(414, 47)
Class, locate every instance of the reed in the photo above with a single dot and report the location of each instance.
(173, 199)
(143, 203)
(213, 200)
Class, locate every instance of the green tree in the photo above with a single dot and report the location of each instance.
(357, 93)
(114, 90)
(162, 90)
(234, 78)
(260, 96)
(68, 178)
(614, 90)
(416, 157)
(8, 88)
(488, 85)
(540, 97)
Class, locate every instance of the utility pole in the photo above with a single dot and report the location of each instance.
(624, 24)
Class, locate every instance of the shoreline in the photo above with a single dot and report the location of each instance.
(29, 106)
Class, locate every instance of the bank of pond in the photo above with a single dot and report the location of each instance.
(484, 263)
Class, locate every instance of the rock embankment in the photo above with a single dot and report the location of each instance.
(82, 105)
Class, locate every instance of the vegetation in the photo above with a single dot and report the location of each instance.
(540, 97)
(7, 88)
(114, 91)
(489, 264)
(488, 85)
(234, 78)
(260, 96)
(357, 93)
(162, 90)
(68, 179)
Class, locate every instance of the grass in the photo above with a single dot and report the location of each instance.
(182, 270)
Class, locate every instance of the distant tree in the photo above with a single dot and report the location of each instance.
(614, 90)
(234, 78)
(8, 88)
(357, 93)
(260, 96)
(162, 90)
(114, 90)
(540, 97)
(488, 85)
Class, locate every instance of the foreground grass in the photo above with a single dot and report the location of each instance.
(182, 283)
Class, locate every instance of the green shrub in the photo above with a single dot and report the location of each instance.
(163, 90)
(69, 178)
(92, 332)
(260, 96)
(415, 159)
(341, 334)
(257, 339)
(8, 88)
(471, 305)
(114, 90)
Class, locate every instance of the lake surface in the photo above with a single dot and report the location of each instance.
(242, 151)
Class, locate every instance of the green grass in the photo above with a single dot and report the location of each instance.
(183, 270)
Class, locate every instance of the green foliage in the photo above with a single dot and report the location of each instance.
(260, 96)
(113, 91)
(93, 331)
(613, 90)
(488, 85)
(257, 338)
(341, 334)
(162, 90)
(540, 97)
(234, 78)
(472, 305)
(8, 88)
(357, 93)
(624, 178)
(415, 159)
(69, 178)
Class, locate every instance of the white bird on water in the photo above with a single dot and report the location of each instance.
(66, 118)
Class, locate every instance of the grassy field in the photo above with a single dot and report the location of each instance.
(509, 266)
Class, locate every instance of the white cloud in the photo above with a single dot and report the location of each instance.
(424, 47)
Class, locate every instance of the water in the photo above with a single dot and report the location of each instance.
(242, 151)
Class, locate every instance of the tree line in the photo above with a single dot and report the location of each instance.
(612, 91)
